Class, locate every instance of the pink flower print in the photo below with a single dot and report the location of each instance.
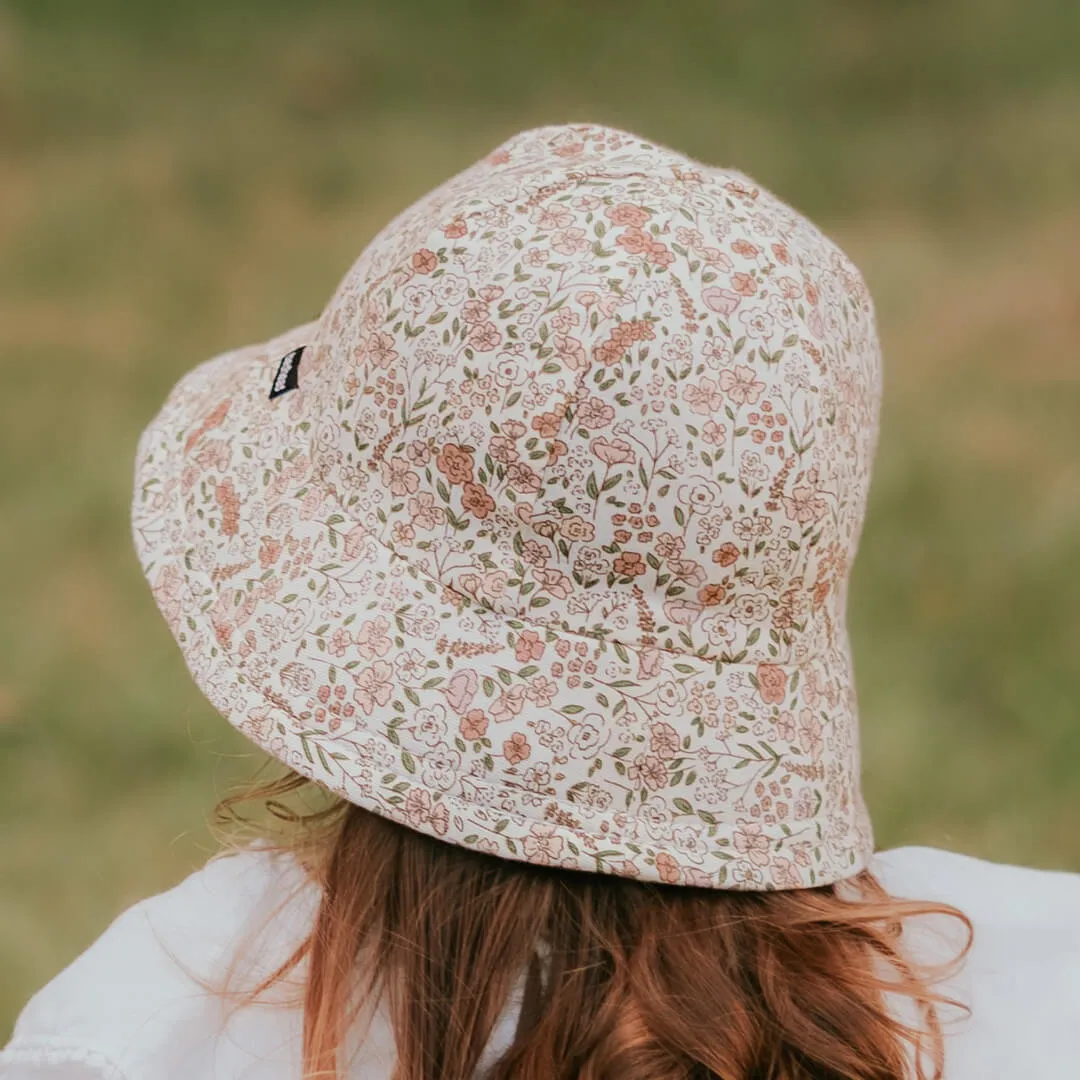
(535, 553)
(423, 511)
(570, 241)
(714, 433)
(781, 253)
(689, 570)
(669, 546)
(576, 529)
(629, 564)
(424, 261)
(398, 476)
(784, 874)
(564, 320)
(664, 742)
(715, 257)
(785, 727)
(790, 289)
(516, 749)
(751, 842)
(541, 691)
(613, 451)
(214, 455)
(595, 413)
(528, 646)
(650, 663)
(744, 284)
(570, 351)
(503, 450)
(339, 642)
(379, 349)
(772, 684)
(455, 463)
(372, 638)
(508, 704)
(419, 452)
(698, 878)
(485, 337)
(542, 845)
(474, 725)
(547, 424)
(461, 689)
(650, 770)
(804, 505)
(521, 477)
(660, 254)
(226, 498)
(417, 807)
(689, 238)
(474, 311)
(628, 214)
(726, 554)
(682, 612)
(741, 385)
(440, 819)
(554, 582)
(810, 730)
(667, 868)
(634, 241)
(704, 398)
(269, 551)
(215, 418)
(475, 500)
(550, 218)
(746, 874)
(374, 686)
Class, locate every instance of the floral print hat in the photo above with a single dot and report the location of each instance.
(538, 540)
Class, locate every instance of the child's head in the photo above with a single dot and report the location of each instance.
(537, 542)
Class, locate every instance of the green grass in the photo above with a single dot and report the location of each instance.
(178, 179)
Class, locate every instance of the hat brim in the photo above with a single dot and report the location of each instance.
(357, 669)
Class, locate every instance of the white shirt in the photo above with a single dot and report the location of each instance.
(132, 1008)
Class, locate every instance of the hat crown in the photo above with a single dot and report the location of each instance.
(593, 385)
(539, 541)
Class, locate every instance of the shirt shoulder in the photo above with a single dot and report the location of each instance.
(1021, 979)
(994, 893)
(140, 1001)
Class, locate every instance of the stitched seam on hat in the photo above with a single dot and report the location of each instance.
(528, 622)
(419, 756)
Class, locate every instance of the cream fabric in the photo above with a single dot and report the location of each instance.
(129, 1009)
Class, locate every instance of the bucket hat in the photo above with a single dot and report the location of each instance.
(538, 539)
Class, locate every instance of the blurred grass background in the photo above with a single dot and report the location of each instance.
(176, 179)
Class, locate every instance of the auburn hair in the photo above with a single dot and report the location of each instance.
(618, 979)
